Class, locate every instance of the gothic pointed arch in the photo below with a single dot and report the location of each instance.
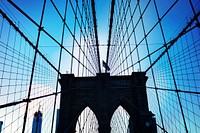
(120, 120)
(87, 121)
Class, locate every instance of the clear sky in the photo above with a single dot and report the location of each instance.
(172, 23)
(53, 24)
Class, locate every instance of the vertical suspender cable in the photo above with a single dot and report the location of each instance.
(110, 28)
(33, 67)
(95, 30)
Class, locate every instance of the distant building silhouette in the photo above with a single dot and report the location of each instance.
(37, 122)
(1, 124)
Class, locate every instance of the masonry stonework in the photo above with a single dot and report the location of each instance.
(103, 94)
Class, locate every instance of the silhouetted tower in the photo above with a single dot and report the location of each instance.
(1, 124)
(103, 94)
(37, 122)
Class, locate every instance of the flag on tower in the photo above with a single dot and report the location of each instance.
(105, 65)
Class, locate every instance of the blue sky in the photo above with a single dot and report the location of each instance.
(186, 69)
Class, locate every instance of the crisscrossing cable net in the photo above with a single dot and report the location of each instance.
(42, 39)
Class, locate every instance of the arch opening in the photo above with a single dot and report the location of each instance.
(120, 121)
(87, 122)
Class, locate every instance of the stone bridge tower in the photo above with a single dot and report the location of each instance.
(104, 94)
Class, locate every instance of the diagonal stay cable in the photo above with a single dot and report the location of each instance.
(172, 42)
(64, 21)
(36, 24)
(27, 100)
(32, 45)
